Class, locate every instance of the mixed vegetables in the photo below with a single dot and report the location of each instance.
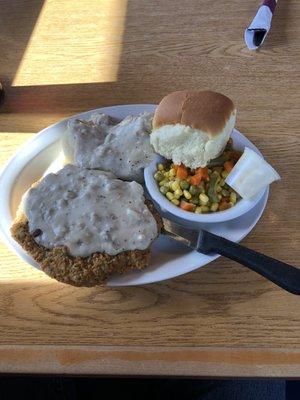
(202, 190)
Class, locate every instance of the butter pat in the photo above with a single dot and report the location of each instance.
(251, 174)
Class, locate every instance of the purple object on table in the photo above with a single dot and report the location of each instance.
(257, 31)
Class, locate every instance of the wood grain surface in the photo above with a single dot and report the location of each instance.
(61, 57)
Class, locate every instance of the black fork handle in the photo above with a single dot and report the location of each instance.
(284, 275)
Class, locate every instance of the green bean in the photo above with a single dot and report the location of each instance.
(219, 161)
(205, 197)
(212, 188)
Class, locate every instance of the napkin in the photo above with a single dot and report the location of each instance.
(257, 31)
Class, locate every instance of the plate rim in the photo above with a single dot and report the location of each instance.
(263, 200)
(18, 250)
(4, 197)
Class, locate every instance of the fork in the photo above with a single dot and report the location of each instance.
(284, 275)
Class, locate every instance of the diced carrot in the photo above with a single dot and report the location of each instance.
(187, 206)
(223, 206)
(195, 180)
(203, 172)
(228, 165)
(181, 172)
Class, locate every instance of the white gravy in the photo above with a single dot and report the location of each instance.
(122, 148)
(89, 211)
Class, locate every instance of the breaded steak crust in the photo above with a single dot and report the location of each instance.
(80, 271)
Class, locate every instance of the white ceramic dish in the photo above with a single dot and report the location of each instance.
(190, 218)
(169, 259)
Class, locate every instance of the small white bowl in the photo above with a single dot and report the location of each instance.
(171, 211)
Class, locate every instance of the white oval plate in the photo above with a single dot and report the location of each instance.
(169, 259)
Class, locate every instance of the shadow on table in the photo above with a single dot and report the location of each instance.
(16, 17)
(152, 49)
(155, 56)
(66, 98)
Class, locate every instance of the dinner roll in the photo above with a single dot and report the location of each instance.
(192, 127)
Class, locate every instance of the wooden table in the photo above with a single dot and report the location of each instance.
(62, 57)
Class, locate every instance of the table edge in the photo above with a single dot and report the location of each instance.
(150, 361)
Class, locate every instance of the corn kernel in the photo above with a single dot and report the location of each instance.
(170, 185)
(187, 194)
(160, 167)
(158, 176)
(231, 204)
(170, 195)
(178, 193)
(198, 210)
(175, 185)
(222, 182)
(204, 209)
(172, 172)
(224, 173)
(219, 189)
(233, 197)
(167, 185)
(163, 189)
(203, 199)
(175, 201)
(161, 183)
(214, 207)
(219, 197)
(225, 193)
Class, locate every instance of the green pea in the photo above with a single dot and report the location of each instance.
(158, 176)
(184, 185)
(194, 190)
